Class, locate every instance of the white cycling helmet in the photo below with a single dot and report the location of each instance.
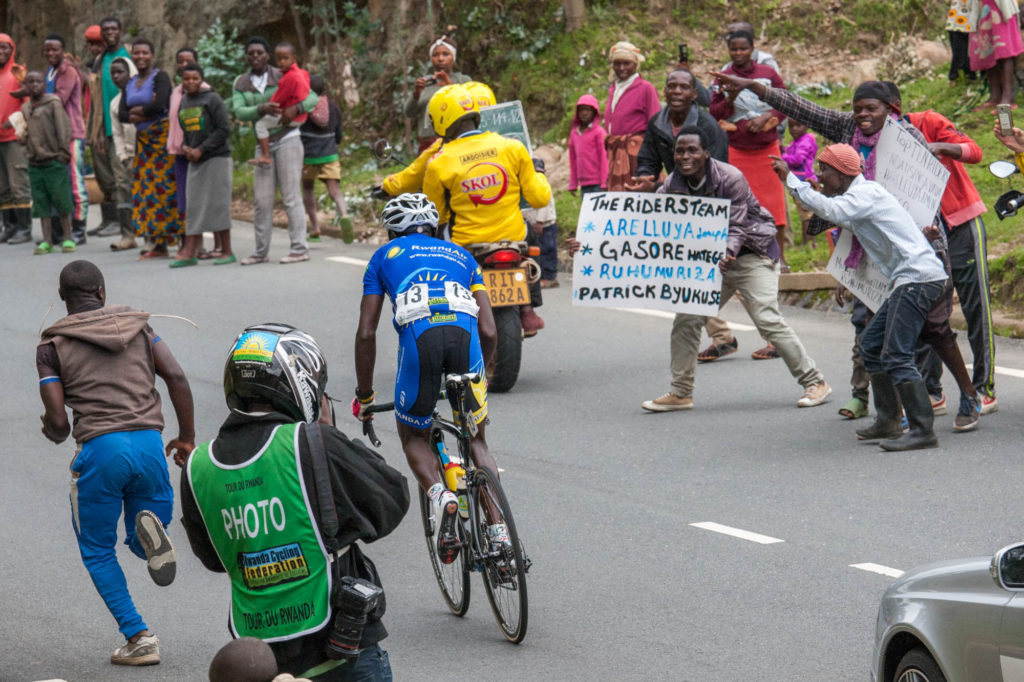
(408, 213)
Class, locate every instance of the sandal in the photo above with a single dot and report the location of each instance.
(766, 353)
(716, 351)
(855, 409)
(155, 253)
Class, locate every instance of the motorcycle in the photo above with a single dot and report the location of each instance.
(1006, 205)
(508, 270)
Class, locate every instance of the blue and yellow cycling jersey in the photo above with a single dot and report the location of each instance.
(430, 282)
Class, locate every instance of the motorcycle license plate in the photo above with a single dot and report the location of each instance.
(507, 287)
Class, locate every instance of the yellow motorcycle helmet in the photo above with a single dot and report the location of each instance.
(448, 105)
(482, 93)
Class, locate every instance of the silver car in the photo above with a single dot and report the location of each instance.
(955, 621)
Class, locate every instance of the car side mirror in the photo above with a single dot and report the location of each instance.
(1002, 169)
(1007, 567)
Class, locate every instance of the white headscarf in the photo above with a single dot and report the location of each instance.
(443, 40)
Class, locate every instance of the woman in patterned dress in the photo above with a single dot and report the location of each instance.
(154, 204)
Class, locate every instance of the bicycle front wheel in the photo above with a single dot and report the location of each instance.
(453, 578)
(504, 566)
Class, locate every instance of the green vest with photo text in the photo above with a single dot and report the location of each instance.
(260, 521)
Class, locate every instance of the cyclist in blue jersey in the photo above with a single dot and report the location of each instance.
(444, 324)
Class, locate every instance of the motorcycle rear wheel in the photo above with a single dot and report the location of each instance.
(510, 349)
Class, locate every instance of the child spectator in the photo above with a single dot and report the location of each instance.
(321, 135)
(588, 160)
(799, 155)
(291, 90)
(543, 223)
(206, 132)
(48, 145)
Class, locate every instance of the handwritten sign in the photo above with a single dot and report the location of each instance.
(910, 172)
(507, 119)
(866, 281)
(658, 251)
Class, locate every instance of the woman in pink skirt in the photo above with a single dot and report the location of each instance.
(994, 43)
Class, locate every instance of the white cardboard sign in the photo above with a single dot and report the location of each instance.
(866, 281)
(654, 251)
(910, 172)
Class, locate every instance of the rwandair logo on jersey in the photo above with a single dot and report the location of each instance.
(395, 252)
(485, 183)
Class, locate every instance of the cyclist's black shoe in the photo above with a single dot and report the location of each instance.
(447, 515)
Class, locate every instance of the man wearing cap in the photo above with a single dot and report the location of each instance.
(917, 280)
(632, 102)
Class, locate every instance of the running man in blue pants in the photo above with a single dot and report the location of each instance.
(101, 362)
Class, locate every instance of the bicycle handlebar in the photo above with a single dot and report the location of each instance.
(371, 434)
(368, 430)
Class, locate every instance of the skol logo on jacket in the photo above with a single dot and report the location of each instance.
(485, 183)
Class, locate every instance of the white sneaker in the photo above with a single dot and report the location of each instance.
(160, 558)
(146, 651)
(815, 394)
(446, 514)
(670, 402)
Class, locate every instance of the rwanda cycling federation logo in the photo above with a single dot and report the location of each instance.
(485, 183)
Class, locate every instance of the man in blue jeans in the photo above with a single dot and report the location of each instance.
(916, 277)
(101, 361)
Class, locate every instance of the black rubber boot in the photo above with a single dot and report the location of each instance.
(23, 226)
(918, 407)
(9, 225)
(887, 410)
(78, 231)
(108, 217)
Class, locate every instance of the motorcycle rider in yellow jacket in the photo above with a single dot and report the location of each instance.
(477, 178)
(410, 178)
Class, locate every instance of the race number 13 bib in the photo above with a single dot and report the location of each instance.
(460, 300)
(412, 304)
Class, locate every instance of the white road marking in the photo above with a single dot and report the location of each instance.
(668, 316)
(879, 569)
(736, 532)
(347, 260)
(1008, 371)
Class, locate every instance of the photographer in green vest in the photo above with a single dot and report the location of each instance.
(278, 501)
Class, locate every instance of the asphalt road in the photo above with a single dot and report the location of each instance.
(623, 585)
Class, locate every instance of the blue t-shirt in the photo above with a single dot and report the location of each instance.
(430, 282)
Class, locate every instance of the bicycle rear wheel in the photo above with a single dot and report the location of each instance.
(453, 578)
(505, 568)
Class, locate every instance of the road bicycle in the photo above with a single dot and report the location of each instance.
(483, 502)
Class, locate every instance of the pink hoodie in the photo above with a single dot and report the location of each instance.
(588, 160)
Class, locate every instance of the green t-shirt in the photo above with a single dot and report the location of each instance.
(109, 89)
(260, 520)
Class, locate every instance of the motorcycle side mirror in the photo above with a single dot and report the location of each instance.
(383, 151)
(1002, 169)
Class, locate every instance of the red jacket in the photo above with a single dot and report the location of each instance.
(292, 89)
(8, 83)
(961, 201)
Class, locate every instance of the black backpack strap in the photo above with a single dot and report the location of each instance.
(322, 479)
